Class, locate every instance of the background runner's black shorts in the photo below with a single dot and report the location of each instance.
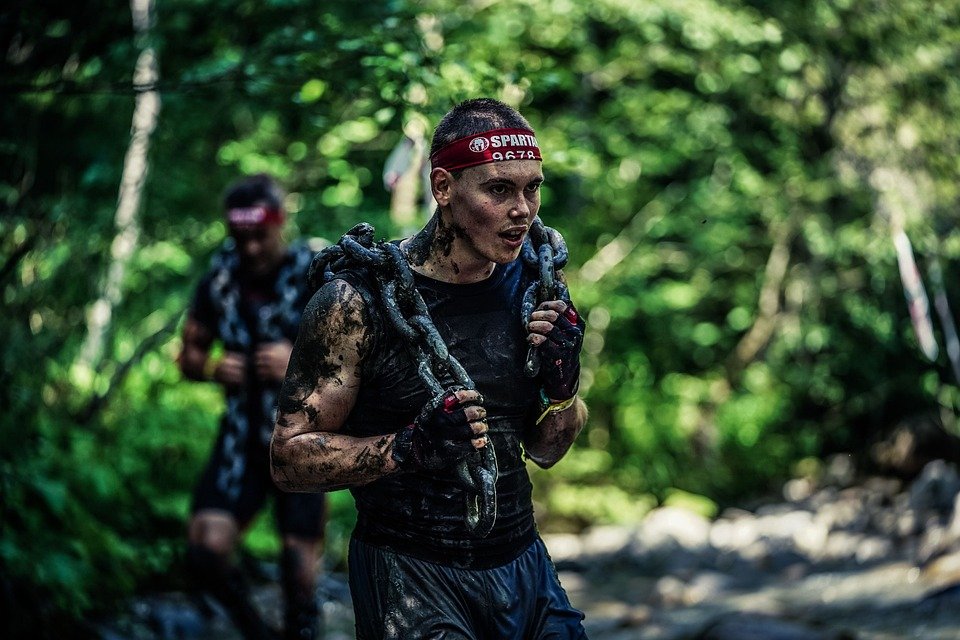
(300, 514)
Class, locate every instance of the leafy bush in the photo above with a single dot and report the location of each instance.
(727, 175)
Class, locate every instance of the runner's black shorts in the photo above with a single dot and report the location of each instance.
(396, 597)
(298, 514)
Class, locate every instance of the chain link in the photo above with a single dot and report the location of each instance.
(408, 314)
(545, 252)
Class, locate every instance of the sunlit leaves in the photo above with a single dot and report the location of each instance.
(312, 90)
(683, 140)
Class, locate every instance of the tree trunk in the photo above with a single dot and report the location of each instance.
(145, 114)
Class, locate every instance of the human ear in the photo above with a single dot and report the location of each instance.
(440, 184)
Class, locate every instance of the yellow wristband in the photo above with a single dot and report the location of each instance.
(557, 407)
(210, 367)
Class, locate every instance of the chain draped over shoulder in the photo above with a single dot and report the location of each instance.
(407, 312)
(273, 319)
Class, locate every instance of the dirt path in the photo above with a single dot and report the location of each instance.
(876, 560)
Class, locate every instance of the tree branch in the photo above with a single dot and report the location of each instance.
(611, 254)
(14, 259)
(99, 401)
(768, 303)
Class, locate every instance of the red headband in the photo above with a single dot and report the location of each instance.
(254, 216)
(491, 146)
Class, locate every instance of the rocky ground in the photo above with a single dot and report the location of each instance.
(876, 559)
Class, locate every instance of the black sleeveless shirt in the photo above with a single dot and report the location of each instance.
(423, 514)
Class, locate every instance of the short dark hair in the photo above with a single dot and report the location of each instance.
(251, 190)
(475, 116)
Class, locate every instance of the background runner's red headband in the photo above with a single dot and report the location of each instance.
(254, 216)
(490, 146)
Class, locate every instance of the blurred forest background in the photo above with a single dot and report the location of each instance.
(737, 182)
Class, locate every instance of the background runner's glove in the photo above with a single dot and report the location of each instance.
(437, 439)
(560, 355)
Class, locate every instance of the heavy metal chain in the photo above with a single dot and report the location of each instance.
(408, 314)
(545, 252)
(272, 319)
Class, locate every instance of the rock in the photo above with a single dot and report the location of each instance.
(954, 526)
(798, 489)
(565, 548)
(824, 496)
(729, 534)
(171, 621)
(840, 470)
(669, 592)
(760, 627)
(707, 586)
(885, 523)
(672, 540)
(786, 562)
(883, 488)
(944, 598)
(907, 524)
(668, 525)
(607, 541)
(623, 617)
(944, 569)
(914, 443)
(936, 487)
(933, 542)
(873, 549)
(849, 511)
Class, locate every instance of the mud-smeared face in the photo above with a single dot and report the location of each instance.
(490, 208)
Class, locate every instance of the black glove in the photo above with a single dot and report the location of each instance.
(560, 356)
(438, 438)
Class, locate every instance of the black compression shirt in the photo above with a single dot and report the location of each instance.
(423, 514)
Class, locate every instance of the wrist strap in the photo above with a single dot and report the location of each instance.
(403, 452)
(210, 367)
(555, 407)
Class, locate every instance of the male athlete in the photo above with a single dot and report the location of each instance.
(350, 407)
(250, 301)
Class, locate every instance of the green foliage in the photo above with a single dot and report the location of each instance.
(727, 176)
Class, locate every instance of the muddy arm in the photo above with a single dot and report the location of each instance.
(308, 452)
